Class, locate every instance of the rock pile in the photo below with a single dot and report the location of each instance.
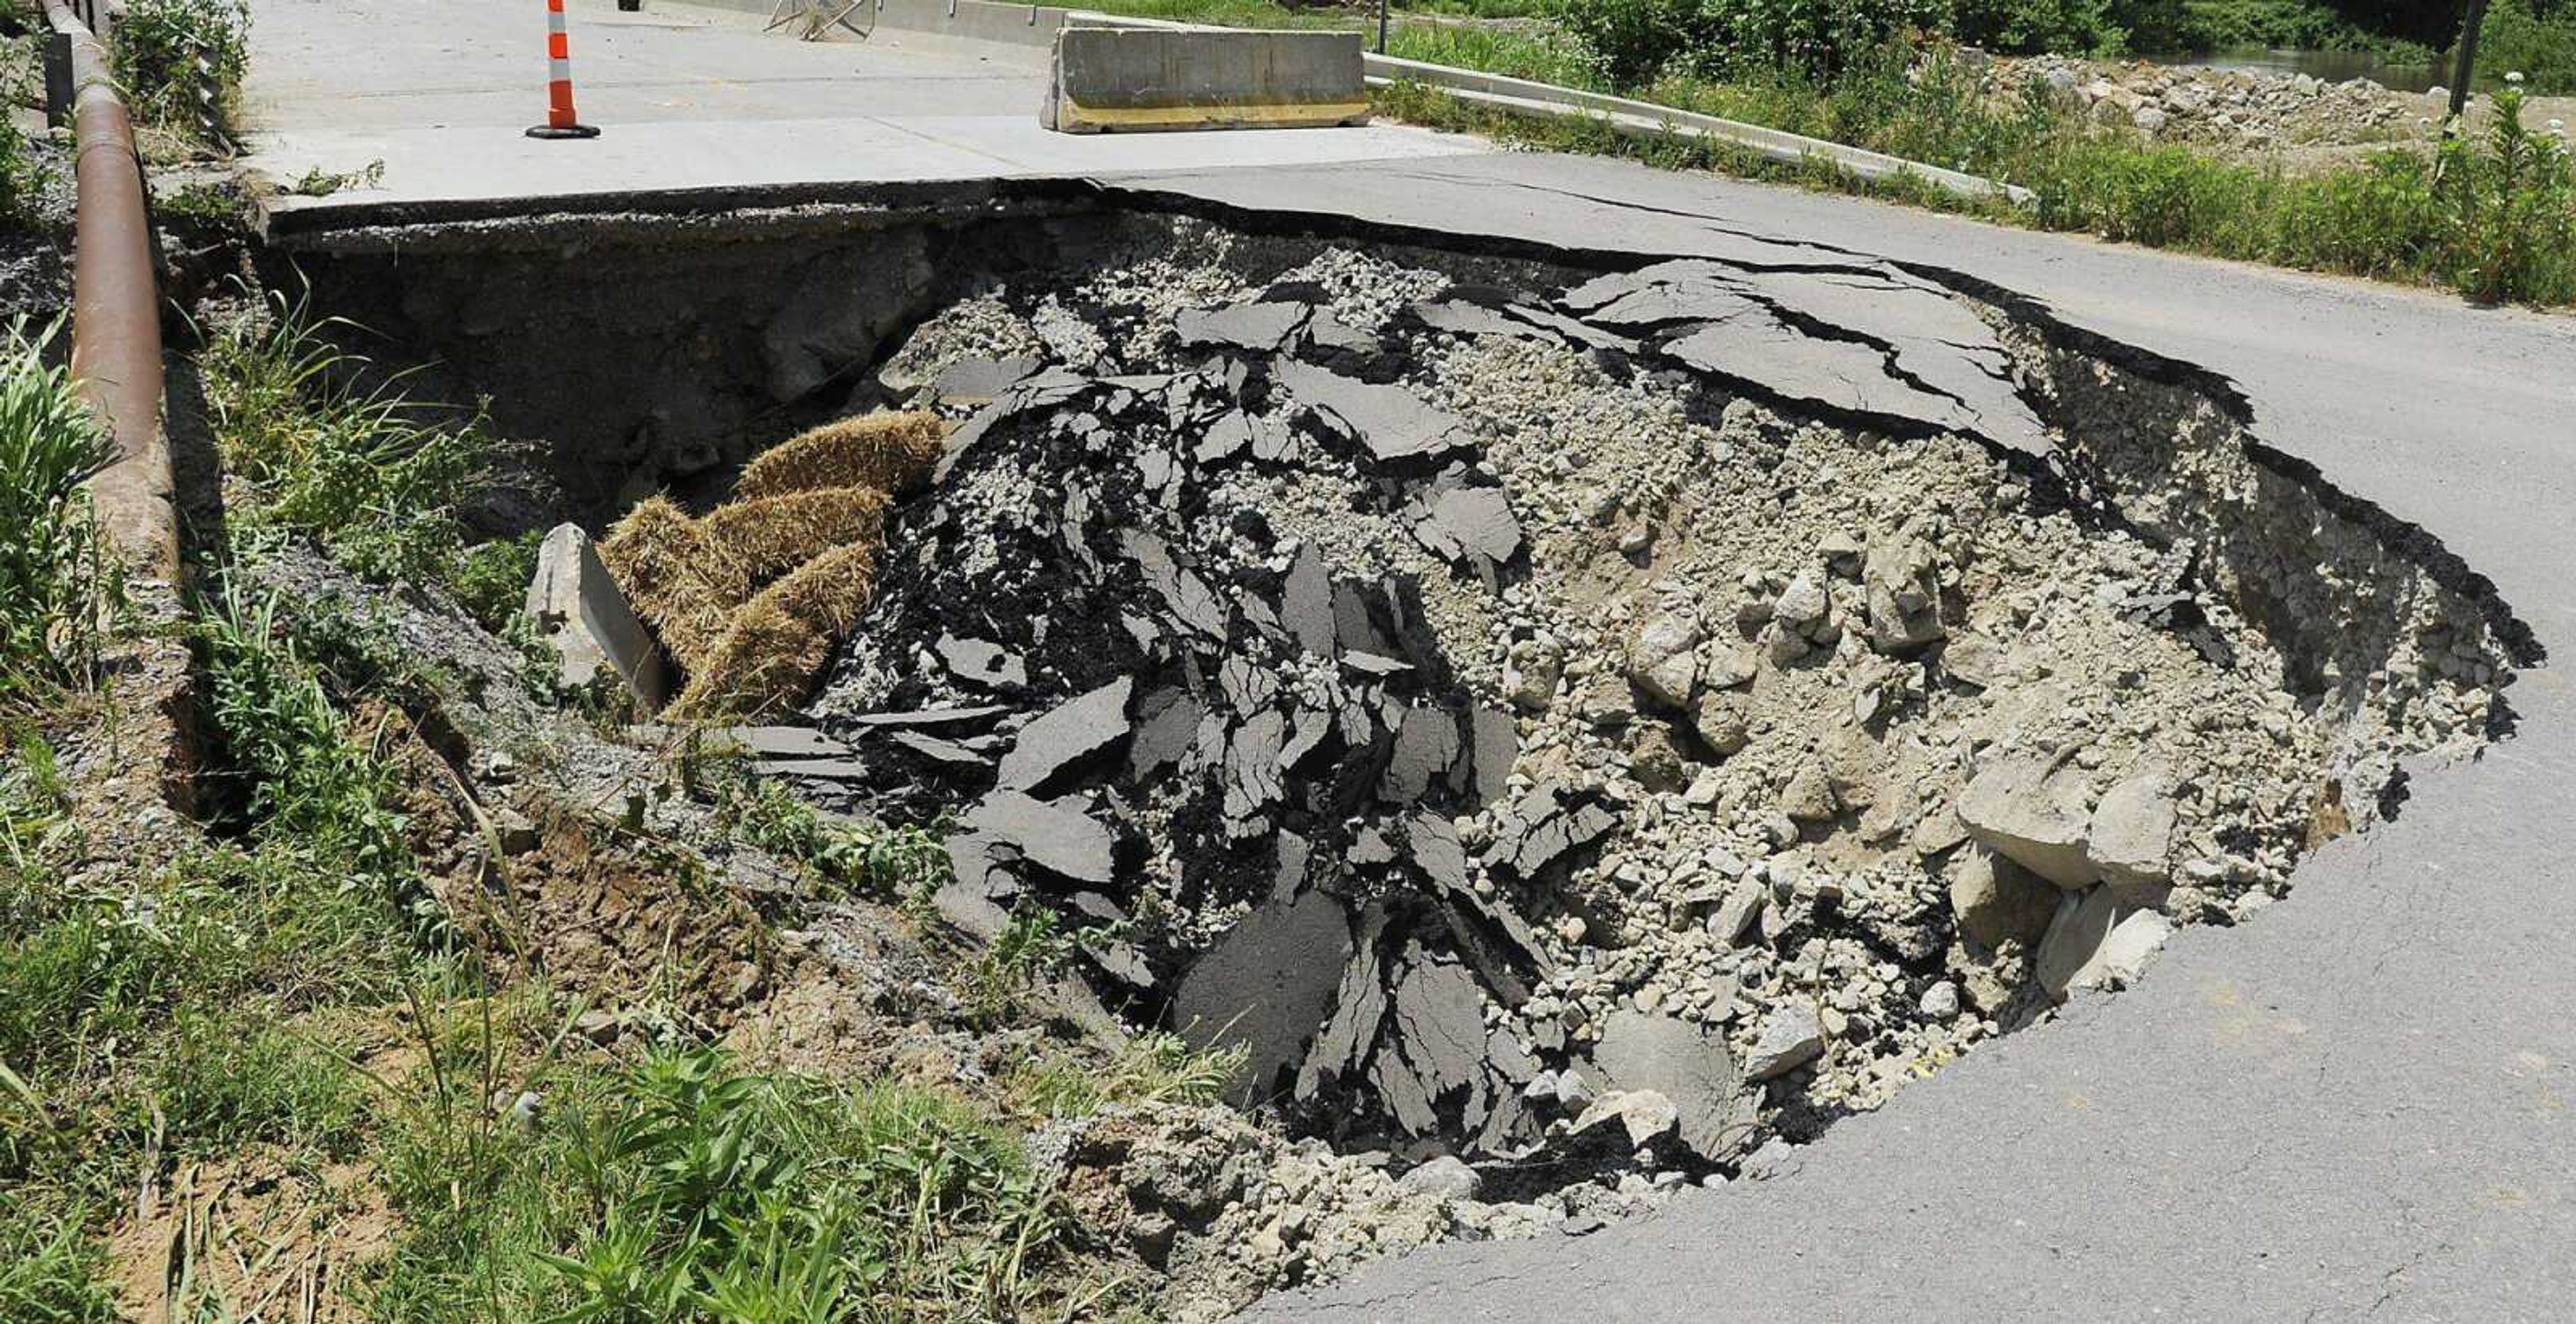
(2234, 111)
(1563, 721)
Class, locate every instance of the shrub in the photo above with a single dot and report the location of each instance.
(157, 46)
(24, 177)
(2534, 37)
(2509, 210)
(55, 579)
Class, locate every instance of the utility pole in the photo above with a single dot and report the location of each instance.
(2477, 17)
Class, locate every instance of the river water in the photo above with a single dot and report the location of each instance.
(2332, 66)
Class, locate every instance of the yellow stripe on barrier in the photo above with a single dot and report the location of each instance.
(1074, 116)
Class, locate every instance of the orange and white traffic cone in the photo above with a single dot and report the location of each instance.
(560, 121)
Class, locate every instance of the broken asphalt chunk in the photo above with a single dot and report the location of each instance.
(1390, 421)
(1057, 836)
(1067, 734)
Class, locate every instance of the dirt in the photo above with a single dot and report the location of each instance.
(257, 1235)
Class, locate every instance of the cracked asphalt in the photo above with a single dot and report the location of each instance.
(2355, 1106)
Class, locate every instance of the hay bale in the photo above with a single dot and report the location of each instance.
(659, 556)
(777, 645)
(889, 451)
(750, 543)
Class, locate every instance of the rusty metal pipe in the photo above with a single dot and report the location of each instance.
(116, 311)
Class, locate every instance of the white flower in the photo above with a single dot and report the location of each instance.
(2558, 126)
(2514, 78)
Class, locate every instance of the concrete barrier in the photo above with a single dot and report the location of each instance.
(1132, 79)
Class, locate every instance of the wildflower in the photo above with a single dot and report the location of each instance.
(2514, 78)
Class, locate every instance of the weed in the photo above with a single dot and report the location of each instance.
(2509, 209)
(320, 183)
(158, 47)
(208, 208)
(56, 582)
(878, 861)
(25, 178)
(304, 781)
(371, 475)
(491, 580)
(1031, 948)
(684, 1189)
(2495, 216)
(50, 1271)
(1160, 1067)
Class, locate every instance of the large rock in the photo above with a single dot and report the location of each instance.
(2130, 837)
(2098, 941)
(582, 613)
(1790, 1038)
(1646, 1052)
(1996, 899)
(1661, 663)
(2029, 809)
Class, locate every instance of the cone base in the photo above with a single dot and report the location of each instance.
(568, 131)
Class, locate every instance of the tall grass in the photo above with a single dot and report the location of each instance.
(373, 476)
(55, 578)
(2494, 215)
(687, 1188)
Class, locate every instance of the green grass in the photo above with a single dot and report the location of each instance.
(843, 857)
(56, 581)
(686, 1188)
(2494, 217)
(372, 476)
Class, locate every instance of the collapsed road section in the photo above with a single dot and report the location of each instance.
(1574, 726)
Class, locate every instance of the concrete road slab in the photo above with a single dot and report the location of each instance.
(426, 101)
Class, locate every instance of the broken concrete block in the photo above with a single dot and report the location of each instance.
(1742, 908)
(1996, 899)
(1790, 1038)
(1267, 986)
(2130, 837)
(980, 662)
(584, 615)
(2032, 810)
(1722, 723)
(1261, 328)
(1067, 734)
(1425, 746)
(1683, 1063)
(1444, 1178)
(1471, 523)
(2074, 934)
(1390, 421)
(2124, 953)
(1642, 1115)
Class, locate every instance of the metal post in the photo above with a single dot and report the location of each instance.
(2468, 57)
(1381, 27)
